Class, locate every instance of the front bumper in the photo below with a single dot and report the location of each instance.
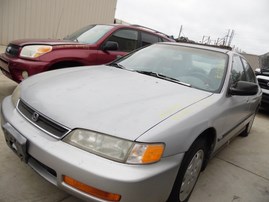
(53, 159)
(12, 67)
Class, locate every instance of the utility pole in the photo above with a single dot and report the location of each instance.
(226, 38)
(206, 40)
(180, 31)
(231, 38)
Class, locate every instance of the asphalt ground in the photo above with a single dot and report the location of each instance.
(239, 173)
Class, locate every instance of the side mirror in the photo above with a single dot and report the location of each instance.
(258, 71)
(110, 45)
(244, 88)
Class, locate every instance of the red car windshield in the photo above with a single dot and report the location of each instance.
(90, 34)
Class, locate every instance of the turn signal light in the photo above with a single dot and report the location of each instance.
(153, 153)
(91, 190)
(42, 50)
(145, 153)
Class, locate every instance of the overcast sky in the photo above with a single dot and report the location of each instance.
(248, 18)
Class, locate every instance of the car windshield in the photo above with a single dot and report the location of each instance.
(90, 34)
(193, 67)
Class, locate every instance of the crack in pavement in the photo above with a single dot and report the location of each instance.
(249, 171)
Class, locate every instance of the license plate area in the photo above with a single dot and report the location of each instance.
(16, 142)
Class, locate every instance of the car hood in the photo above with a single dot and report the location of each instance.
(107, 99)
(24, 42)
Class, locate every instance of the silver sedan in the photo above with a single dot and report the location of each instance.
(139, 129)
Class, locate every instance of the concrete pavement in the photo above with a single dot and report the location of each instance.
(239, 173)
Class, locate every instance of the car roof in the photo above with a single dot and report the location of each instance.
(144, 29)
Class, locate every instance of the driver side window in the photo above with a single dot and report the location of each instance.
(238, 72)
(126, 38)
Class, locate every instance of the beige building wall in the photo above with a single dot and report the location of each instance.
(50, 18)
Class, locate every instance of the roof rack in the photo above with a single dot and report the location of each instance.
(150, 29)
(186, 40)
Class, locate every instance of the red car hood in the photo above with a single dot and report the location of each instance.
(23, 42)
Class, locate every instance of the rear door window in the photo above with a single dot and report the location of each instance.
(163, 40)
(148, 39)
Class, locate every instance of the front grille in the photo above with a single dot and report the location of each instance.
(4, 66)
(263, 83)
(3, 62)
(47, 125)
(13, 49)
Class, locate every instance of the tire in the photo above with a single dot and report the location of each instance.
(190, 170)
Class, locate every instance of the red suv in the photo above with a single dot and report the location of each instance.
(91, 45)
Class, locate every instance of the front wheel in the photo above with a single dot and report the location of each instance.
(189, 172)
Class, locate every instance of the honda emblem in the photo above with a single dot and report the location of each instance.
(35, 116)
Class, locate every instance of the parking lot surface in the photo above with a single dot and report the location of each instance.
(239, 173)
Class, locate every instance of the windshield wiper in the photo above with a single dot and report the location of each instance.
(114, 64)
(161, 76)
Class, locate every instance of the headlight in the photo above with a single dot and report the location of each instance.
(35, 51)
(16, 95)
(115, 148)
